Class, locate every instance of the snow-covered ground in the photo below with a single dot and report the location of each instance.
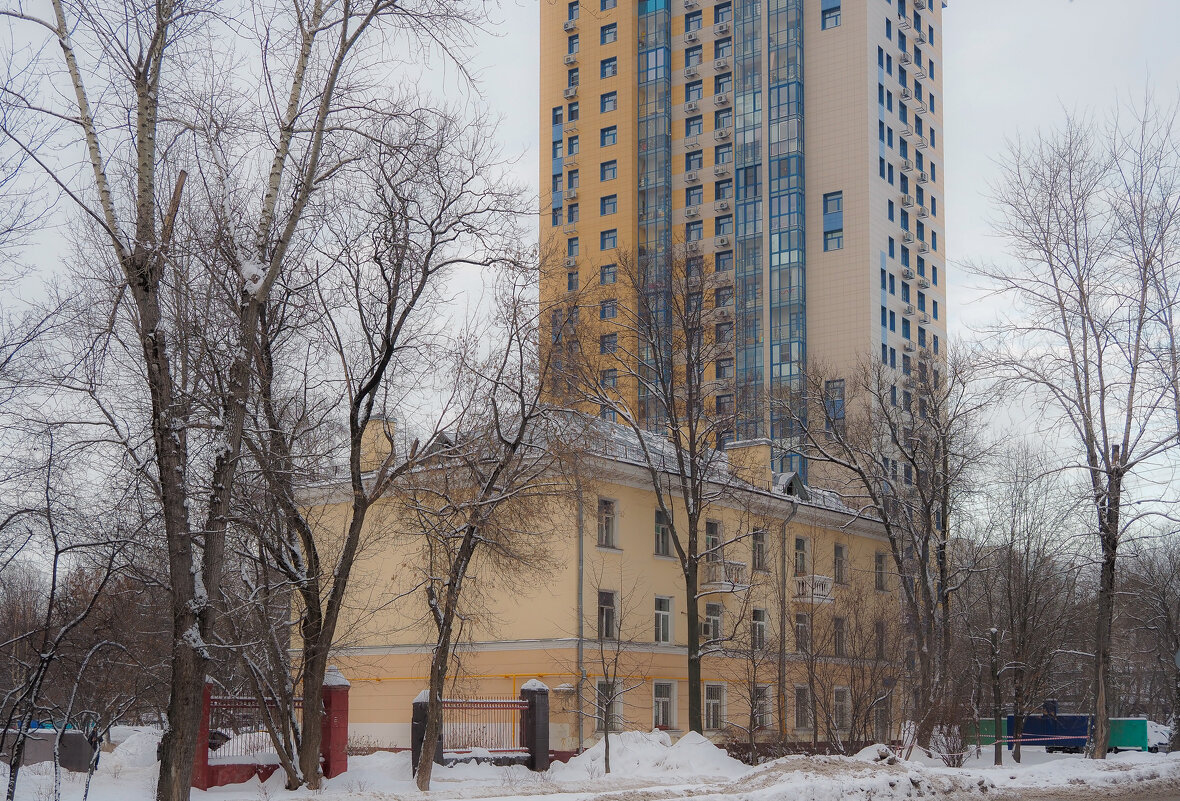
(650, 767)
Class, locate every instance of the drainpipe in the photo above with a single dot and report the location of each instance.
(782, 623)
(581, 605)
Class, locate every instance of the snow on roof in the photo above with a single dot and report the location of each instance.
(334, 678)
(534, 685)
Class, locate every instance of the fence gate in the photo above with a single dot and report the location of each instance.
(504, 730)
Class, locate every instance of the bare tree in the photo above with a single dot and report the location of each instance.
(1153, 585)
(902, 445)
(1090, 215)
(644, 363)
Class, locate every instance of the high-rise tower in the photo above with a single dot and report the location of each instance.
(789, 150)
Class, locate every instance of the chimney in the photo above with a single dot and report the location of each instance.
(749, 460)
(376, 443)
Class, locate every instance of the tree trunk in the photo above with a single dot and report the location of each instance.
(1108, 533)
(1174, 742)
(695, 717)
(438, 679)
(997, 716)
(606, 741)
(1017, 711)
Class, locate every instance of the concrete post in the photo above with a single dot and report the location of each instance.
(534, 723)
(334, 724)
(201, 749)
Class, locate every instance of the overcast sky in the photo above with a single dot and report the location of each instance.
(1010, 66)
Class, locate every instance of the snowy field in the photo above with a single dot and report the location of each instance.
(650, 767)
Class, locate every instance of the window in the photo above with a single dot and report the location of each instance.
(557, 216)
(607, 274)
(607, 626)
(694, 196)
(571, 281)
(608, 67)
(722, 48)
(571, 213)
(662, 704)
(693, 56)
(608, 170)
(723, 332)
(606, 523)
(573, 179)
(758, 550)
(879, 570)
(723, 190)
(694, 90)
(608, 33)
(840, 564)
(712, 621)
(572, 10)
(572, 44)
(879, 638)
(571, 247)
(724, 407)
(723, 225)
(802, 708)
(802, 632)
(829, 18)
(758, 630)
(573, 112)
(608, 343)
(608, 205)
(608, 136)
(610, 706)
(608, 378)
(694, 231)
(839, 637)
(572, 77)
(723, 118)
(762, 713)
(712, 527)
(608, 309)
(723, 262)
(663, 630)
(841, 707)
(714, 706)
(722, 12)
(722, 154)
(609, 101)
(722, 83)
(694, 126)
(558, 113)
(607, 5)
(663, 535)
(693, 21)
(834, 407)
(558, 149)
(801, 556)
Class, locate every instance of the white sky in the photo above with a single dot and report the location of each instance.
(1010, 66)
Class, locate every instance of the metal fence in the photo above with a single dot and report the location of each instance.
(490, 723)
(239, 728)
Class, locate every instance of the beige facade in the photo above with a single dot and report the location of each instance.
(602, 541)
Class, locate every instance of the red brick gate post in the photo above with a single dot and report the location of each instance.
(201, 750)
(334, 728)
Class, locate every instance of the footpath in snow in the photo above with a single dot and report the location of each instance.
(650, 767)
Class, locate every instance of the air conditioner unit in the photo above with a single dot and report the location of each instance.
(721, 63)
(690, 3)
(570, 24)
(690, 36)
(905, 58)
(907, 132)
(721, 99)
(691, 141)
(721, 205)
(722, 241)
(570, 261)
(924, 318)
(721, 134)
(691, 177)
(570, 92)
(907, 237)
(907, 165)
(922, 212)
(921, 143)
(691, 72)
(919, 72)
(909, 310)
(907, 274)
(571, 58)
(923, 177)
(903, 21)
(571, 194)
(920, 108)
(906, 94)
(907, 201)
(920, 37)
(691, 106)
(924, 283)
(721, 28)
(920, 5)
(923, 248)
(721, 169)
(692, 211)
(909, 347)
(693, 247)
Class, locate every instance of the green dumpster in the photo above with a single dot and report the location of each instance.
(1128, 733)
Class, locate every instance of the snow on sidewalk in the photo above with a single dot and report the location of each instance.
(651, 767)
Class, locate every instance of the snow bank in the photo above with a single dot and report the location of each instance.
(638, 754)
(137, 750)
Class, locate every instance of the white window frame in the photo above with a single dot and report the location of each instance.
(807, 709)
(763, 706)
(612, 715)
(663, 621)
(837, 724)
(671, 701)
(713, 631)
(717, 705)
(758, 629)
(608, 523)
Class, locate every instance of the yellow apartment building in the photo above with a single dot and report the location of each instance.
(796, 595)
(787, 152)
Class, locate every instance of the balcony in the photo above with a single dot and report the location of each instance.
(813, 589)
(727, 574)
